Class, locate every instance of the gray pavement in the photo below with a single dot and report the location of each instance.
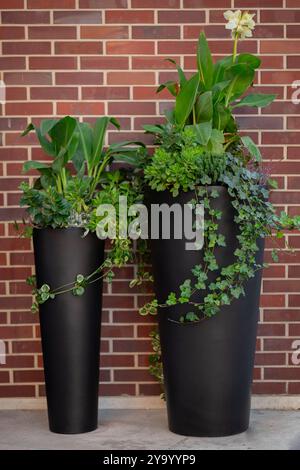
(145, 429)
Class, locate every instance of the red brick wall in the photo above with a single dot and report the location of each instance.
(89, 57)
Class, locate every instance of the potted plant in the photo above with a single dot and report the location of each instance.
(207, 299)
(69, 257)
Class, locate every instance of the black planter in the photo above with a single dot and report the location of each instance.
(207, 366)
(70, 328)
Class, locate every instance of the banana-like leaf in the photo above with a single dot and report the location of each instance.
(204, 62)
(47, 125)
(241, 76)
(219, 69)
(150, 129)
(99, 131)
(185, 100)
(33, 165)
(203, 132)
(252, 148)
(258, 100)
(204, 107)
(249, 59)
(221, 116)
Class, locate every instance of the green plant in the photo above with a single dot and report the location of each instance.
(70, 188)
(200, 146)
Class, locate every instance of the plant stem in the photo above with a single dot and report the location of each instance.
(236, 38)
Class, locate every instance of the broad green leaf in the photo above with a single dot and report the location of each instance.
(258, 100)
(47, 125)
(219, 69)
(61, 134)
(99, 131)
(84, 150)
(48, 147)
(170, 115)
(119, 146)
(181, 75)
(249, 59)
(153, 129)
(204, 62)
(33, 165)
(241, 76)
(221, 116)
(216, 142)
(252, 148)
(203, 132)
(185, 100)
(204, 107)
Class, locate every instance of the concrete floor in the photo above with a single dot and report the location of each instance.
(145, 429)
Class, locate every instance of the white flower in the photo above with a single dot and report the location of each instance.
(240, 23)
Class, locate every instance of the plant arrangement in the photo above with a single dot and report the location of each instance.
(69, 190)
(211, 297)
(200, 146)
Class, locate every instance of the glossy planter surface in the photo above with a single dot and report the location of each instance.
(207, 366)
(70, 327)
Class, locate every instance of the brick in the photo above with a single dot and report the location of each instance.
(206, 3)
(78, 78)
(294, 388)
(12, 4)
(28, 78)
(129, 47)
(32, 109)
(131, 78)
(279, 47)
(15, 93)
(257, 122)
(138, 345)
(270, 329)
(15, 332)
(256, 3)
(181, 16)
(268, 388)
(52, 32)
(14, 391)
(52, 63)
(104, 32)
(117, 360)
(110, 331)
(76, 47)
(50, 4)
(155, 4)
(132, 375)
(131, 108)
(104, 63)
(103, 4)
(150, 389)
(116, 389)
(80, 108)
(281, 286)
(272, 300)
(293, 271)
(270, 359)
(129, 16)
(19, 362)
(12, 32)
(53, 93)
(156, 32)
(294, 330)
(105, 93)
(282, 373)
(17, 288)
(26, 347)
(25, 17)
(28, 376)
(277, 344)
(28, 47)
(12, 124)
(294, 301)
(280, 16)
(77, 17)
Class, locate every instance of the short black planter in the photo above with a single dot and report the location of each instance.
(207, 366)
(70, 327)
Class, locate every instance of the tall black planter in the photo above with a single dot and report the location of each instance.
(70, 328)
(207, 366)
